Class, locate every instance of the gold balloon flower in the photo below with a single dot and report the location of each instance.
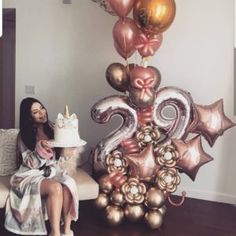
(134, 191)
(146, 135)
(116, 162)
(167, 156)
(168, 179)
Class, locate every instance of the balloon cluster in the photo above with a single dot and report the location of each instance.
(139, 163)
(144, 31)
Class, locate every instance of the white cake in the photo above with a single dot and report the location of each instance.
(66, 132)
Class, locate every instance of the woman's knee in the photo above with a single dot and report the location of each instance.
(53, 188)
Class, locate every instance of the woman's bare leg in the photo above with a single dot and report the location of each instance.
(54, 193)
(67, 198)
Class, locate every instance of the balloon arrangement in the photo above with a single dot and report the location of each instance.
(140, 162)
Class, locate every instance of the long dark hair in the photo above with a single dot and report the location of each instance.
(27, 125)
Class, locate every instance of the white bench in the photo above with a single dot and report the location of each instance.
(87, 187)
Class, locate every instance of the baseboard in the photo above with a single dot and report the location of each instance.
(209, 196)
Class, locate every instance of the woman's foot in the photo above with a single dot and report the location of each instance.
(70, 233)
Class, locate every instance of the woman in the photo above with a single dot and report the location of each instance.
(40, 189)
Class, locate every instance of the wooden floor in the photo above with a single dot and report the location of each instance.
(194, 218)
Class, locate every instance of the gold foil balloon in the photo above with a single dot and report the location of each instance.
(105, 184)
(134, 212)
(117, 198)
(114, 215)
(154, 16)
(101, 201)
(154, 219)
(154, 198)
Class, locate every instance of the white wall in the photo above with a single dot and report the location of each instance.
(64, 50)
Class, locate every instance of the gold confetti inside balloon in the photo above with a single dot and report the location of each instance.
(154, 16)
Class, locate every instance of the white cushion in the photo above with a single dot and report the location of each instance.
(4, 189)
(8, 151)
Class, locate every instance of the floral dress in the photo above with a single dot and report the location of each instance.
(26, 210)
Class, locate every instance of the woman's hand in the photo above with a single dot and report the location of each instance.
(46, 145)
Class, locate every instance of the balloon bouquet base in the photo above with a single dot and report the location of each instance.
(140, 162)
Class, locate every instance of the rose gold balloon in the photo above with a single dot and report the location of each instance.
(157, 75)
(114, 215)
(211, 121)
(101, 201)
(124, 34)
(154, 16)
(147, 46)
(140, 100)
(143, 164)
(117, 77)
(142, 83)
(154, 219)
(121, 7)
(134, 212)
(192, 156)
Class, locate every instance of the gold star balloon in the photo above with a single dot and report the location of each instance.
(143, 164)
(210, 121)
(192, 156)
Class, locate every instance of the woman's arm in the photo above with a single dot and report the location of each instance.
(34, 159)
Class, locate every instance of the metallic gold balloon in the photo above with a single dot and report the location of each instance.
(154, 16)
(117, 77)
(114, 215)
(101, 201)
(134, 212)
(163, 210)
(154, 219)
(117, 198)
(105, 185)
(154, 198)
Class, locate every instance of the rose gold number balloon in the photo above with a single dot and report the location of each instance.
(154, 16)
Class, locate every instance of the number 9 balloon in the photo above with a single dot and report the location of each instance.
(154, 16)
